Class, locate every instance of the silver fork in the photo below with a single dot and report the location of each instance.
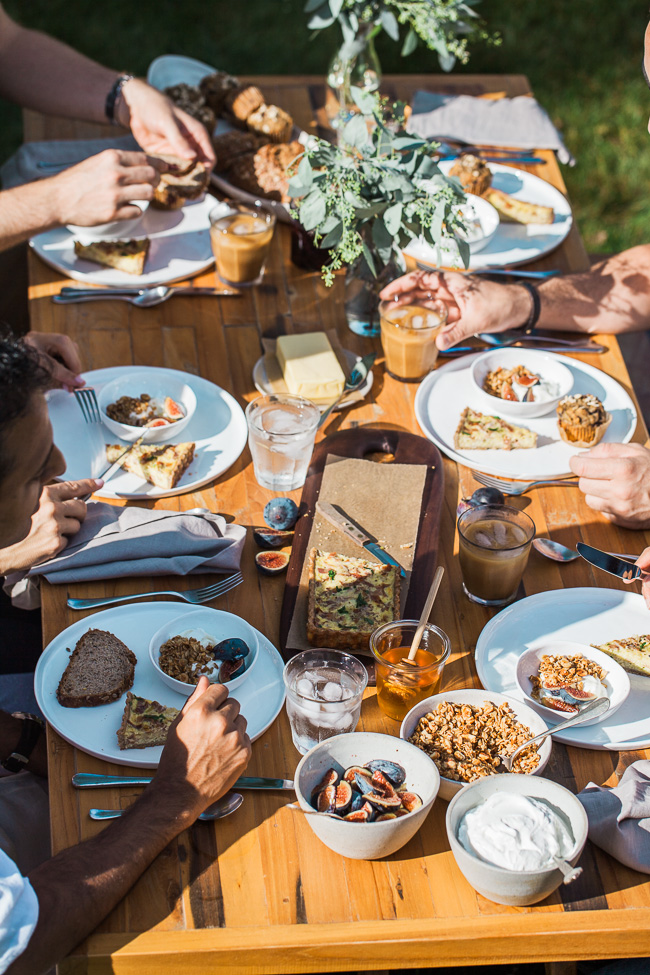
(204, 595)
(515, 488)
(88, 404)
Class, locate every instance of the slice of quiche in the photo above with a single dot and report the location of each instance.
(477, 431)
(124, 255)
(144, 723)
(160, 464)
(632, 653)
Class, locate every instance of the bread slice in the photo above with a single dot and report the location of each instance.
(476, 431)
(160, 464)
(348, 599)
(124, 255)
(100, 669)
(144, 723)
(176, 165)
(632, 653)
(174, 190)
(518, 211)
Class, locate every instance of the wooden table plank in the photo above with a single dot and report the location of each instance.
(257, 892)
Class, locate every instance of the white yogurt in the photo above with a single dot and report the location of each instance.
(543, 391)
(515, 832)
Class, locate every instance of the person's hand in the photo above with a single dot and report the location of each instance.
(643, 562)
(61, 355)
(159, 126)
(60, 515)
(101, 188)
(615, 479)
(473, 304)
(207, 749)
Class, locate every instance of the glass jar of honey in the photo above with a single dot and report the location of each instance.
(401, 684)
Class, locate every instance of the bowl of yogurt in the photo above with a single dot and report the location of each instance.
(509, 833)
(157, 392)
(520, 383)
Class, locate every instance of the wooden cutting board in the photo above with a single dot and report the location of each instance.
(385, 446)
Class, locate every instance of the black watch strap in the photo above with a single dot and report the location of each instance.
(113, 95)
(533, 318)
(30, 732)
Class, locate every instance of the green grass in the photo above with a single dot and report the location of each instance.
(582, 57)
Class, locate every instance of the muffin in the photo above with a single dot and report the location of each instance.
(242, 175)
(271, 163)
(475, 177)
(215, 87)
(241, 102)
(582, 420)
(271, 121)
(190, 100)
(232, 145)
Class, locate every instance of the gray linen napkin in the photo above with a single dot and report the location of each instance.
(115, 542)
(519, 122)
(23, 166)
(619, 818)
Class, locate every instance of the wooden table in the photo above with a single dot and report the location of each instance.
(257, 893)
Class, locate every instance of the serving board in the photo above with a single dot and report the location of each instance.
(399, 447)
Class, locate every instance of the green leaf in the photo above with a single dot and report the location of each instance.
(370, 261)
(305, 173)
(312, 210)
(410, 43)
(463, 249)
(332, 239)
(393, 218)
(355, 132)
(382, 239)
(313, 5)
(366, 101)
(388, 21)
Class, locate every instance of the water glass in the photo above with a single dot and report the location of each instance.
(281, 433)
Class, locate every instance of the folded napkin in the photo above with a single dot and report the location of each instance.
(619, 818)
(23, 166)
(519, 122)
(115, 542)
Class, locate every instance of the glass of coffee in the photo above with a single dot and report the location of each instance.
(241, 240)
(401, 684)
(494, 542)
(408, 338)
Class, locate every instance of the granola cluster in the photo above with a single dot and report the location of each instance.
(581, 411)
(566, 671)
(499, 381)
(468, 742)
(186, 659)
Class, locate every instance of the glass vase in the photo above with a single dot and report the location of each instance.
(359, 70)
(362, 289)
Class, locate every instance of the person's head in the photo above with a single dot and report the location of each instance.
(28, 457)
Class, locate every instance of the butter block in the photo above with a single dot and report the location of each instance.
(309, 366)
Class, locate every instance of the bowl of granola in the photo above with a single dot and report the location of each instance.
(466, 733)
(521, 383)
(554, 676)
(163, 402)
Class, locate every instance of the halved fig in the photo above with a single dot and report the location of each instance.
(381, 785)
(271, 563)
(350, 773)
(269, 538)
(385, 817)
(331, 777)
(230, 669)
(363, 782)
(326, 802)
(173, 410)
(384, 803)
(410, 801)
(357, 816)
(343, 797)
(393, 772)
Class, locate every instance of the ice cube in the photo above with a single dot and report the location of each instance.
(305, 687)
(501, 533)
(332, 692)
(485, 540)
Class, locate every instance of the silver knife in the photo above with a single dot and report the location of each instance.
(90, 780)
(627, 571)
(115, 466)
(590, 347)
(341, 521)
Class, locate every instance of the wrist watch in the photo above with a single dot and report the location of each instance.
(114, 95)
(529, 325)
(32, 728)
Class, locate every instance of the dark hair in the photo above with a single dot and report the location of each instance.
(22, 374)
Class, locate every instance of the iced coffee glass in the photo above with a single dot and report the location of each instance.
(241, 240)
(408, 338)
(494, 542)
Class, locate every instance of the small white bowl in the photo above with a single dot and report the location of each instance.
(218, 624)
(478, 210)
(115, 230)
(157, 386)
(514, 887)
(548, 366)
(616, 682)
(366, 841)
(449, 787)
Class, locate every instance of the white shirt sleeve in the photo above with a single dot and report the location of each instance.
(18, 912)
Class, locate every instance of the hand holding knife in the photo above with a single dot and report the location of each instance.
(627, 571)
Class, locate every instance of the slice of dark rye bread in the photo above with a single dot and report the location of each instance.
(100, 670)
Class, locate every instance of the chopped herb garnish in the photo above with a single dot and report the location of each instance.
(332, 574)
(361, 601)
(342, 609)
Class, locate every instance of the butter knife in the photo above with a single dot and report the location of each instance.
(91, 780)
(627, 571)
(115, 466)
(340, 520)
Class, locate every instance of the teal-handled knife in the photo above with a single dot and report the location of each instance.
(91, 780)
(340, 520)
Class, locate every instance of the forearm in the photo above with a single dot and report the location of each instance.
(27, 210)
(79, 887)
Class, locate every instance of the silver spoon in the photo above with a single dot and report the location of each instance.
(218, 810)
(593, 709)
(561, 553)
(142, 297)
(355, 381)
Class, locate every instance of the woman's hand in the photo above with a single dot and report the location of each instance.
(61, 355)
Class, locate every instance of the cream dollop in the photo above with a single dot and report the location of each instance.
(515, 832)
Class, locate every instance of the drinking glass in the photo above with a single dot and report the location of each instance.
(494, 542)
(324, 693)
(400, 685)
(241, 241)
(408, 338)
(281, 432)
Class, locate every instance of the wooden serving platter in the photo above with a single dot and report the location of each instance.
(370, 443)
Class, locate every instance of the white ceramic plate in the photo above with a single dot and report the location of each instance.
(180, 248)
(93, 730)
(443, 395)
(586, 616)
(218, 429)
(513, 243)
(262, 384)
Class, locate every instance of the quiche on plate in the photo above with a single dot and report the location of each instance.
(162, 465)
(144, 723)
(123, 255)
(632, 653)
(477, 431)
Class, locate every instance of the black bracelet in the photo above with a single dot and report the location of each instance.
(31, 730)
(113, 95)
(533, 318)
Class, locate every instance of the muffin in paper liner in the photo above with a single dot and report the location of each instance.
(584, 436)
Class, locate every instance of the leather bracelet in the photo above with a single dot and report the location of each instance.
(113, 95)
(533, 318)
(30, 733)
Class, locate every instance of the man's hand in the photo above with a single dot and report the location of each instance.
(59, 516)
(62, 357)
(100, 189)
(473, 304)
(615, 479)
(207, 749)
(159, 126)
(643, 562)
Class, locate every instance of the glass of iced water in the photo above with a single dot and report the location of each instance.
(324, 693)
(281, 432)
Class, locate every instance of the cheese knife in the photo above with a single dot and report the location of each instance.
(115, 466)
(91, 780)
(627, 571)
(340, 520)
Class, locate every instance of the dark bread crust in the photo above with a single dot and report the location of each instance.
(79, 668)
(173, 191)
